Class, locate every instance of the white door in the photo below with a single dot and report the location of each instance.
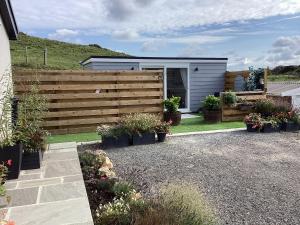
(176, 82)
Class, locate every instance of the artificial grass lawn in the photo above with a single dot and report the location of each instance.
(187, 125)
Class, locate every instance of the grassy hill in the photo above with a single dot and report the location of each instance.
(61, 55)
(285, 73)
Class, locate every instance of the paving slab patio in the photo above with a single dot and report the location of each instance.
(52, 195)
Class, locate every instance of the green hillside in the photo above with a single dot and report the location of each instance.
(61, 55)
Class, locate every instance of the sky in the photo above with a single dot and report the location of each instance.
(249, 33)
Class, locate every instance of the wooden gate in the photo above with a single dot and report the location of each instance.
(81, 100)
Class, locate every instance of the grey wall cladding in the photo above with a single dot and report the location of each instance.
(207, 80)
(112, 66)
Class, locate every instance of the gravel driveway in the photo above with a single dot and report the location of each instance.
(248, 178)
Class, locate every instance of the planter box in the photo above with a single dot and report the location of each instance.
(13, 153)
(32, 160)
(143, 139)
(269, 129)
(115, 142)
(161, 137)
(251, 129)
(290, 127)
(212, 116)
(174, 117)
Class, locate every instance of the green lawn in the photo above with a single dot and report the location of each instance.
(284, 77)
(187, 125)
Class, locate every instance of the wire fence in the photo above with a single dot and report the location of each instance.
(30, 57)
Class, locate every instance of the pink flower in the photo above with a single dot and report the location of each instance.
(10, 222)
(9, 162)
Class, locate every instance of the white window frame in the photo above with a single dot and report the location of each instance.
(165, 66)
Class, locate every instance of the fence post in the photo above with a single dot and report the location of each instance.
(45, 56)
(26, 55)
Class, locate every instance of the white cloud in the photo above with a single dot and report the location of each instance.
(153, 45)
(143, 16)
(126, 35)
(64, 35)
(285, 51)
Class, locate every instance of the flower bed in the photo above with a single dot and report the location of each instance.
(114, 201)
(134, 129)
(269, 117)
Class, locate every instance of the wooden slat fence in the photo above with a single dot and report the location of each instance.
(81, 100)
(234, 113)
(230, 77)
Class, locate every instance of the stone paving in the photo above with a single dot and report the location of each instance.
(52, 195)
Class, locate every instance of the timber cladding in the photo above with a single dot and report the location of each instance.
(79, 101)
(235, 113)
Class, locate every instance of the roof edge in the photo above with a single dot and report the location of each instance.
(9, 20)
(152, 58)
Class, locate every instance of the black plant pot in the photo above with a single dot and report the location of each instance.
(290, 126)
(32, 160)
(268, 128)
(143, 139)
(161, 137)
(174, 117)
(115, 142)
(250, 128)
(13, 153)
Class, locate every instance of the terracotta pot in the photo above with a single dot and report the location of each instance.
(212, 116)
(174, 117)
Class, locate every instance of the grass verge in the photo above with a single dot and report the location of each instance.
(196, 124)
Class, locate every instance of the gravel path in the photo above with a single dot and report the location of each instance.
(248, 178)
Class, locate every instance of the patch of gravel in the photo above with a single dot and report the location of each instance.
(248, 178)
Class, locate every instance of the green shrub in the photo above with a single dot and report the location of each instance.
(140, 123)
(229, 98)
(122, 189)
(114, 213)
(89, 159)
(111, 131)
(186, 204)
(211, 103)
(172, 104)
(265, 107)
(32, 108)
(7, 137)
(176, 205)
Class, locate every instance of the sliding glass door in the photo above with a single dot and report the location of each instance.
(176, 82)
(177, 85)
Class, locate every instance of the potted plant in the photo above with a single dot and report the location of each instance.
(254, 122)
(10, 147)
(211, 109)
(162, 129)
(142, 127)
(265, 107)
(172, 114)
(292, 121)
(270, 125)
(32, 108)
(113, 136)
(229, 98)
